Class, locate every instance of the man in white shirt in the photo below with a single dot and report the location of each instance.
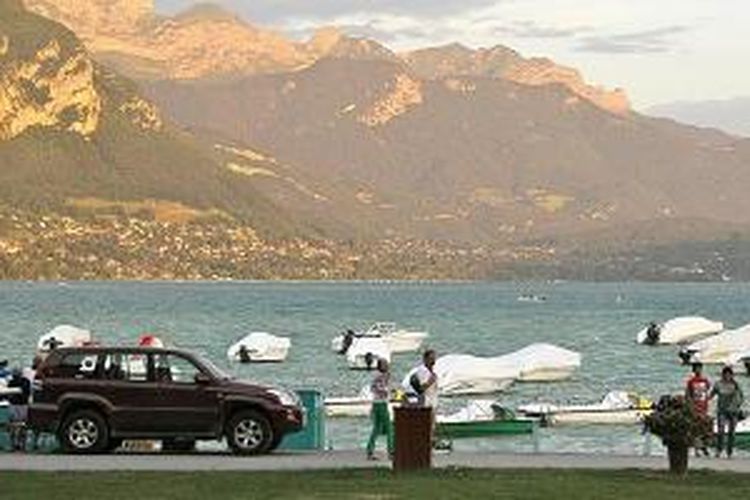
(422, 382)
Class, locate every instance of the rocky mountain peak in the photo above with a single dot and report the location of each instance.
(88, 18)
(324, 39)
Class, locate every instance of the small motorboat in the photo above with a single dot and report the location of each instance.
(259, 347)
(483, 418)
(544, 363)
(723, 348)
(460, 374)
(616, 408)
(365, 352)
(679, 330)
(532, 298)
(63, 336)
(464, 374)
(398, 340)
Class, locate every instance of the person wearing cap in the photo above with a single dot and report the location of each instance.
(728, 407)
(697, 391)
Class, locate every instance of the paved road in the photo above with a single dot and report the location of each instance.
(341, 460)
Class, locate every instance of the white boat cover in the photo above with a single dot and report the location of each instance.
(721, 348)
(477, 410)
(542, 358)
(466, 374)
(64, 336)
(261, 346)
(683, 329)
(357, 354)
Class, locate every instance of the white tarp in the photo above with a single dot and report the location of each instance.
(722, 347)
(365, 349)
(683, 329)
(544, 362)
(466, 374)
(477, 410)
(261, 346)
(63, 336)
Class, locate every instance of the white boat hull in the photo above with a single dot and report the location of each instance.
(683, 330)
(261, 348)
(609, 417)
(350, 407)
(398, 343)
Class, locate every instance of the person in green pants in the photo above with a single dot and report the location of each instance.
(381, 418)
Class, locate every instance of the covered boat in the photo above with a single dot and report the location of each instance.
(465, 374)
(616, 408)
(720, 348)
(679, 330)
(365, 352)
(150, 340)
(63, 336)
(259, 347)
(460, 374)
(544, 363)
(398, 340)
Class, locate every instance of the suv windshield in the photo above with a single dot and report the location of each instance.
(215, 370)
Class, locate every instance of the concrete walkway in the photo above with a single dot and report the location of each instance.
(342, 460)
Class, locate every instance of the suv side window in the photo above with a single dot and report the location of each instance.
(76, 365)
(127, 367)
(173, 368)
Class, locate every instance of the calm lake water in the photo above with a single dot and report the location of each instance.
(599, 320)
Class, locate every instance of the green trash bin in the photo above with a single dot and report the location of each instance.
(313, 434)
(4, 420)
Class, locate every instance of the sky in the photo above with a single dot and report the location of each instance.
(657, 50)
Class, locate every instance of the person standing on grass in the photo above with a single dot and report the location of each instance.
(729, 405)
(381, 418)
(697, 391)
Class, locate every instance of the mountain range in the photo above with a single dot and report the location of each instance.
(731, 115)
(339, 138)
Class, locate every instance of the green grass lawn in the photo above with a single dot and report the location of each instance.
(373, 484)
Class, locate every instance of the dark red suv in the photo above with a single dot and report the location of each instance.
(93, 398)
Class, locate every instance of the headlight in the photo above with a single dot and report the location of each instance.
(286, 398)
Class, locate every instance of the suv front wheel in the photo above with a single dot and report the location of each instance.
(84, 431)
(249, 433)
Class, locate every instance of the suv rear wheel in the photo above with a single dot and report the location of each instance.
(249, 433)
(84, 431)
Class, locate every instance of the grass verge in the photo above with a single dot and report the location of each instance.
(374, 484)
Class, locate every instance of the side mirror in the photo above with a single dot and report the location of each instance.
(202, 379)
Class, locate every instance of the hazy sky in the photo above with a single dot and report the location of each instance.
(658, 50)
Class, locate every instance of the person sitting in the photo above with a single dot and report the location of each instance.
(244, 354)
(347, 341)
(652, 334)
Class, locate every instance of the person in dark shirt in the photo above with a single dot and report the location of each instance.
(728, 408)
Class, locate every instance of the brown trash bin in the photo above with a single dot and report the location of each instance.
(413, 438)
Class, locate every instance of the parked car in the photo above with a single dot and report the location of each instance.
(93, 398)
